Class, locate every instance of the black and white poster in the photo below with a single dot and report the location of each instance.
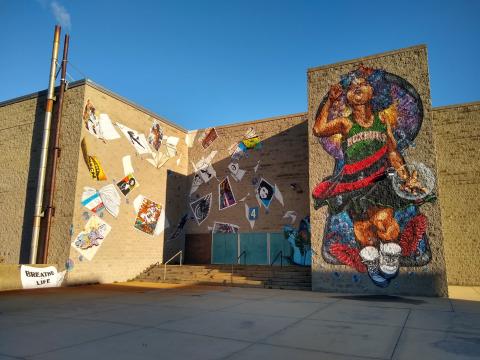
(201, 208)
(265, 192)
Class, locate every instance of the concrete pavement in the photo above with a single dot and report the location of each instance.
(174, 322)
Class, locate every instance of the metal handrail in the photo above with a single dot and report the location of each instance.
(276, 257)
(244, 252)
(173, 257)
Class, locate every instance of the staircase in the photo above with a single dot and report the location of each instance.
(260, 276)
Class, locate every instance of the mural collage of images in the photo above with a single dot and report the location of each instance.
(264, 190)
(367, 122)
(155, 147)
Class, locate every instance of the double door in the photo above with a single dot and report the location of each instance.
(256, 248)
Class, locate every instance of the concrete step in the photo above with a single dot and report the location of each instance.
(268, 272)
(262, 276)
(220, 274)
(305, 287)
(227, 279)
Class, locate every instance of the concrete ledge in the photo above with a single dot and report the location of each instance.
(10, 275)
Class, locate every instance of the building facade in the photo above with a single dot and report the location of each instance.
(371, 187)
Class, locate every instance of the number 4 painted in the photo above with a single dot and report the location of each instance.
(253, 213)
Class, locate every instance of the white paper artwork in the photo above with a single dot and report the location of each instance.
(247, 215)
(244, 198)
(91, 200)
(290, 214)
(190, 137)
(196, 182)
(137, 140)
(167, 150)
(127, 165)
(256, 166)
(105, 198)
(204, 167)
(278, 195)
(89, 241)
(111, 199)
(137, 203)
(237, 173)
(107, 130)
(40, 277)
(171, 146)
(159, 159)
(162, 222)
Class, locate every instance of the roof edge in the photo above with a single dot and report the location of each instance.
(131, 103)
(379, 55)
(100, 88)
(254, 121)
(453, 106)
(40, 93)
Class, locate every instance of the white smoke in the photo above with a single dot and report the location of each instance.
(61, 15)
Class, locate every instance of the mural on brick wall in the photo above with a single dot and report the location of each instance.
(367, 122)
(300, 242)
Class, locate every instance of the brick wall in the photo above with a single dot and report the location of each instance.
(21, 123)
(127, 251)
(282, 160)
(457, 134)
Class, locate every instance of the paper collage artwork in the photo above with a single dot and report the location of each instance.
(225, 228)
(148, 216)
(201, 208)
(93, 164)
(105, 198)
(137, 140)
(208, 137)
(250, 141)
(127, 184)
(155, 136)
(237, 173)
(204, 170)
(101, 127)
(265, 193)
(91, 200)
(226, 198)
(251, 213)
(89, 241)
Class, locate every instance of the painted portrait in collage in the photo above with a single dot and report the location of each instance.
(367, 122)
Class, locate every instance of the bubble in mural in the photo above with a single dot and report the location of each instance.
(367, 122)
(69, 265)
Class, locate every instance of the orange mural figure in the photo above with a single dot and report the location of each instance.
(366, 121)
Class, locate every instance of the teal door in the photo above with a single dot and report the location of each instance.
(255, 247)
(279, 243)
(224, 248)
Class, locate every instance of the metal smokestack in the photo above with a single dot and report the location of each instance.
(56, 151)
(44, 150)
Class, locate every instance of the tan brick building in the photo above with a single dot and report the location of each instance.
(251, 184)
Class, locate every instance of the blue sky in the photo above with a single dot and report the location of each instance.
(203, 63)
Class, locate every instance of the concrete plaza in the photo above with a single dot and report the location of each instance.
(151, 321)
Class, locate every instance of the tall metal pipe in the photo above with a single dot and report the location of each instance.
(50, 211)
(44, 150)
